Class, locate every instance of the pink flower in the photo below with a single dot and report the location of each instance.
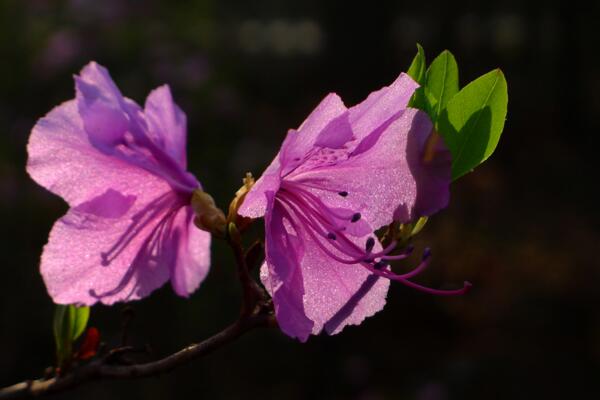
(342, 175)
(122, 169)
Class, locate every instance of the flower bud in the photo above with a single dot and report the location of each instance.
(237, 201)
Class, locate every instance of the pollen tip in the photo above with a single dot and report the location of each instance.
(356, 217)
(104, 262)
(380, 265)
(426, 253)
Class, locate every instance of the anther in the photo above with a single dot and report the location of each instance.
(356, 217)
(331, 236)
(426, 253)
(370, 244)
(380, 265)
(343, 194)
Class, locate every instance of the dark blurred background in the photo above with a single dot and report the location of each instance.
(523, 228)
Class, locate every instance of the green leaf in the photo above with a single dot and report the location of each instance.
(472, 122)
(69, 323)
(418, 65)
(62, 333)
(79, 319)
(441, 82)
(417, 71)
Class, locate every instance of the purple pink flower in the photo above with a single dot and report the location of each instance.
(122, 170)
(337, 179)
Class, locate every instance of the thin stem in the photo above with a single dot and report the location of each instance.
(252, 294)
(98, 369)
(256, 312)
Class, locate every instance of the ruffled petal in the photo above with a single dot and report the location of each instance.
(327, 125)
(192, 253)
(167, 124)
(336, 294)
(281, 274)
(107, 116)
(311, 290)
(109, 248)
(382, 105)
(389, 179)
(62, 159)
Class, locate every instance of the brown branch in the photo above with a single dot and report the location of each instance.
(256, 312)
(252, 294)
(99, 369)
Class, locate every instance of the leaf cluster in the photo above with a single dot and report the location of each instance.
(471, 119)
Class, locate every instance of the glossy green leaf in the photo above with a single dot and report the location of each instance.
(441, 82)
(417, 71)
(472, 122)
(418, 66)
(69, 323)
(79, 319)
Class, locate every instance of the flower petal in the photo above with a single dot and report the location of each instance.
(311, 290)
(281, 273)
(167, 124)
(430, 163)
(62, 159)
(327, 125)
(382, 105)
(329, 116)
(192, 259)
(96, 254)
(106, 115)
(255, 202)
(390, 178)
(336, 294)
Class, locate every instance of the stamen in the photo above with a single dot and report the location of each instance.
(370, 244)
(407, 252)
(320, 222)
(343, 194)
(309, 202)
(380, 265)
(316, 231)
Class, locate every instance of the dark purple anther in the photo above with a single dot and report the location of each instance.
(426, 253)
(380, 265)
(355, 217)
(370, 244)
(343, 194)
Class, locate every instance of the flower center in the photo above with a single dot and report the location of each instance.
(334, 231)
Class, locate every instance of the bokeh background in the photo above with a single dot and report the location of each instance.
(523, 228)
